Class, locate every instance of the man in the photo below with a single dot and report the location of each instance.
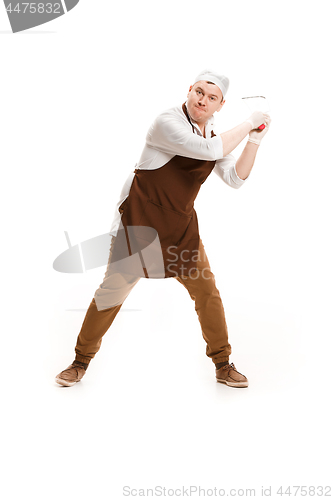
(155, 230)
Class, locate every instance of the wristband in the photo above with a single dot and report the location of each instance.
(255, 141)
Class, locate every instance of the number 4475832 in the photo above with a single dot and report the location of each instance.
(32, 8)
(311, 491)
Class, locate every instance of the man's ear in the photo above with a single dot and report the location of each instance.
(221, 105)
(189, 90)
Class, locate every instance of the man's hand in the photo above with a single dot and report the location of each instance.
(256, 136)
(256, 119)
(233, 137)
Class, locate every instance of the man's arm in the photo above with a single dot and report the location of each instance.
(233, 137)
(245, 162)
(234, 173)
(173, 135)
(226, 170)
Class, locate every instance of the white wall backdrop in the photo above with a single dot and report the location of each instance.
(78, 96)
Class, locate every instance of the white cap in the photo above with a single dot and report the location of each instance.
(220, 80)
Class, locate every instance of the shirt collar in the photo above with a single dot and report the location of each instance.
(208, 125)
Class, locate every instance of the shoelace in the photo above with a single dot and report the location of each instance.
(227, 367)
(78, 364)
(74, 366)
(232, 366)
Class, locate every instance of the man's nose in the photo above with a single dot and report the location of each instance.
(202, 100)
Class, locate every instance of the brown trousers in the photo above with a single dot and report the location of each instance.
(116, 287)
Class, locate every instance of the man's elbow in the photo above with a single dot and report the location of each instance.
(235, 180)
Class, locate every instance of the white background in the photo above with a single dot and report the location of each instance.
(77, 97)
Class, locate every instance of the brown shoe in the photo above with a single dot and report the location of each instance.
(229, 375)
(71, 375)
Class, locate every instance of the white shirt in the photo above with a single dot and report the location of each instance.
(171, 134)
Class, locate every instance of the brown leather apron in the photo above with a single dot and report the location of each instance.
(163, 199)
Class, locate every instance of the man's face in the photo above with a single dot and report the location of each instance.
(203, 100)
